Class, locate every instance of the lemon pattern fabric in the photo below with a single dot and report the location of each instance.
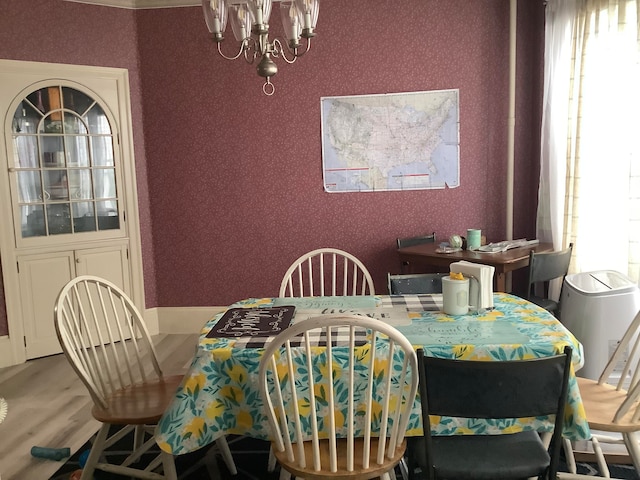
(219, 394)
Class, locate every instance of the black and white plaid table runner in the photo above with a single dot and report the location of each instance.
(425, 303)
(413, 303)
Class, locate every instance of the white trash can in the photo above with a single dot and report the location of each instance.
(598, 307)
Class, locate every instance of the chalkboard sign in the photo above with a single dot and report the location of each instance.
(253, 322)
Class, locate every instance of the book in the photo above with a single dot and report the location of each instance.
(254, 322)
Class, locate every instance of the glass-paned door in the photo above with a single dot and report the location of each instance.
(64, 164)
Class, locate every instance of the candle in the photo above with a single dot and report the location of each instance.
(294, 29)
(259, 18)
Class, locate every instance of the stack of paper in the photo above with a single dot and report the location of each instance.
(480, 291)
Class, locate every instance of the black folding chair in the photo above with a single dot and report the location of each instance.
(495, 390)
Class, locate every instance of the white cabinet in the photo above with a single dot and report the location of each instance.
(42, 276)
(68, 198)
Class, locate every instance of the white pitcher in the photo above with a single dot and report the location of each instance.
(455, 296)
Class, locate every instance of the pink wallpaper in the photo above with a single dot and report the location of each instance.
(235, 177)
(230, 181)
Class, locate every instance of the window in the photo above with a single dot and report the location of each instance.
(65, 174)
(590, 175)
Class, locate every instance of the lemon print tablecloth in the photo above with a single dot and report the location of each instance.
(219, 394)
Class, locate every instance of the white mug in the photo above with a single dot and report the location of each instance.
(455, 296)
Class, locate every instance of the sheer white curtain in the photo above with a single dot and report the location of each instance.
(590, 178)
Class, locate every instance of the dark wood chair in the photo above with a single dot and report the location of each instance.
(417, 283)
(543, 268)
(419, 240)
(411, 241)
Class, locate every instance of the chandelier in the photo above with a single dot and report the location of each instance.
(250, 25)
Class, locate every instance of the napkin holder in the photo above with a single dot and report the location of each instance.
(481, 290)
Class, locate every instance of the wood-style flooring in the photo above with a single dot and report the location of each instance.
(50, 407)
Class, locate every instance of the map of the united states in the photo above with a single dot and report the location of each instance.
(403, 141)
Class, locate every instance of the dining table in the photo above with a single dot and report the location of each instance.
(219, 394)
(432, 255)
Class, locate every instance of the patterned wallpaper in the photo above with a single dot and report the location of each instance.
(230, 181)
(235, 177)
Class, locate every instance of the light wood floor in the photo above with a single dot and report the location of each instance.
(49, 407)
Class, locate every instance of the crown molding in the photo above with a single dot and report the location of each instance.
(140, 4)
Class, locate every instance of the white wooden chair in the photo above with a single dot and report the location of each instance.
(326, 272)
(612, 404)
(333, 448)
(107, 343)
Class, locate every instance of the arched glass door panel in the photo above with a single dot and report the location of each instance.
(64, 162)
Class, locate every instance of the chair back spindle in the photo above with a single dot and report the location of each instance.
(104, 337)
(623, 371)
(326, 272)
(103, 333)
(348, 409)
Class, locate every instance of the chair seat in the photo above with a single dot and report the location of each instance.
(373, 471)
(139, 404)
(490, 457)
(546, 303)
(601, 403)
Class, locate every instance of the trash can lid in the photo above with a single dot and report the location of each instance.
(601, 282)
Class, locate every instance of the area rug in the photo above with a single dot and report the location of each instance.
(625, 472)
(251, 457)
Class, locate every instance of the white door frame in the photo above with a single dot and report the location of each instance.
(112, 87)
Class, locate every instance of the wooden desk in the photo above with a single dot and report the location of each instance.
(503, 262)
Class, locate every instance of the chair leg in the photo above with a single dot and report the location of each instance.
(631, 440)
(225, 452)
(284, 474)
(404, 469)
(568, 455)
(602, 462)
(94, 454)
(272, 462)
(169, 466)
(94, 460)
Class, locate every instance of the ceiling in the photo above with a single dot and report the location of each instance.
(140, 4)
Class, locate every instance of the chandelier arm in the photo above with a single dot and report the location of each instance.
(249, 55)
(242, 50)
(280, 52)
(251, 49)
(308, 47)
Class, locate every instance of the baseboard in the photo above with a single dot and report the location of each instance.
(6, 357)
(180, 319)
(611, 458)
(615, 453)
(158, 320)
